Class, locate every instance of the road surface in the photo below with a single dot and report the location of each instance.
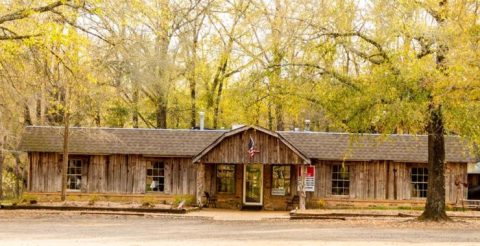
(69, 229)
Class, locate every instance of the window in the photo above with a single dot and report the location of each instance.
(74, 174)
(280, 180)
(155, 176)
(226, 178)
(340, 180)
(419, 181)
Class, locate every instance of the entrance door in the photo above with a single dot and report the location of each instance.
(253, 184)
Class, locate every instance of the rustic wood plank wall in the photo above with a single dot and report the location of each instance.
(111, 174)
(233, 150)
(456, 176)
(45, 172)
(127, 173)
(384, 180)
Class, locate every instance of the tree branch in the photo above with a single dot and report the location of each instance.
(323, 71)
(24, 13)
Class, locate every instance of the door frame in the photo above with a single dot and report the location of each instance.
(244, 196)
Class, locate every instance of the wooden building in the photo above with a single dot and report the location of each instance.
(247, 166)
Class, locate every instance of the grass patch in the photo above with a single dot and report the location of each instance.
(148, 202)
(316, 204)
(93, 199)
(189, 200)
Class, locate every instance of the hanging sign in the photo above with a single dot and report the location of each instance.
(309, 178)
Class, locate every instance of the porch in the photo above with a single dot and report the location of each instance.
(249, 166)
(244, 186)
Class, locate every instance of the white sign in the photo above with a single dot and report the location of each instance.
(278, 192)
(309, 179)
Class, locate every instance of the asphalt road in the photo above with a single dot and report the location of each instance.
(131, 230)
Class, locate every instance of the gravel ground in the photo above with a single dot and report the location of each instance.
(22, 227)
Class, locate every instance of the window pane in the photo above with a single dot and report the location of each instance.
(226, 178)
(280, 180)
(340, 180)
(155, 180)
(419, 181)
(74, 174)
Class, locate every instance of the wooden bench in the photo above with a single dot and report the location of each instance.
(471, 204)
(211, 200)
(292, 202)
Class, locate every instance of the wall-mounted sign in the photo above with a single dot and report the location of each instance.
(309, 178)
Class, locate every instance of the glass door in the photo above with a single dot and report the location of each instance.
(253, 184)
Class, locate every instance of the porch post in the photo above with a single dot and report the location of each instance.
(303, 194)
(200, 183)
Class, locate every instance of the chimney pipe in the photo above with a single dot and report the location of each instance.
(202, 120)
(307, 125)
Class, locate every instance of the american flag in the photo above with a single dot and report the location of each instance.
(251, 147)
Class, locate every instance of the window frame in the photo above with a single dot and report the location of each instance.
(152, 163)
(77, 174)
(288, 191)
(218, 179)
(421, 180)
(341, 180)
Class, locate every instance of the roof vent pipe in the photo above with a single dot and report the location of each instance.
(307, 125)
(202, 120)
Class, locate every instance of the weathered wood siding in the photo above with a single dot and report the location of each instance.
(455, 175)
(384, 180)
(233, 150)
(45, 172)
(124, 174)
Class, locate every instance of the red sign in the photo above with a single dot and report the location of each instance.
(309, 178)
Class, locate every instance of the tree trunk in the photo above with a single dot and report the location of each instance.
(161, 114)
(98, 118)
(216, 109)
(435, 206)
(193, 105)
(65, 146)
(279, 116)
(200, 184)
(135, 108)
(270, 116)
(26, 114)
(303, 193)
(2, 158)
(18, 176)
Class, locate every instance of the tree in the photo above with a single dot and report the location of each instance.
(406, 82)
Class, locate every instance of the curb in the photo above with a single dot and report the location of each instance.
(343, 216)
(72, 208)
